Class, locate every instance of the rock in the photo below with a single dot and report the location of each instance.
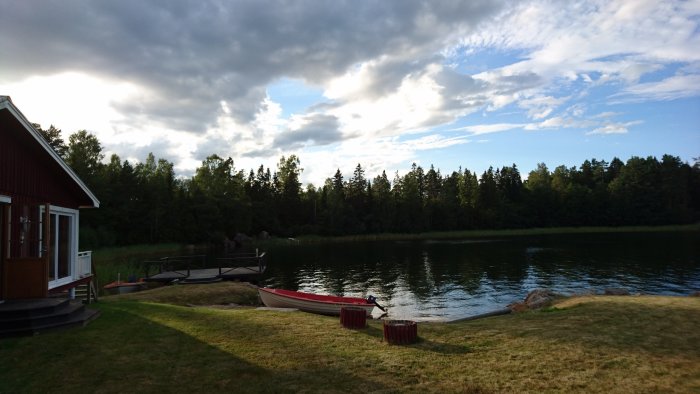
(616, 291)
(536, 299)
(241, 238)
(518, 307)
(539, 298)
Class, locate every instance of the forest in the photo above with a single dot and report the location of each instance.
(146, 202)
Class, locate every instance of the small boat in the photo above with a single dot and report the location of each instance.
(120, 287)
(314, 303)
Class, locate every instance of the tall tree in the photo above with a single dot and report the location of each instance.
(383, 206)
(541, 202)
(221, 206)
(357, 198)
(336, 214)
(289, 190)
(52, 135)
(489, 200)
(85, 156)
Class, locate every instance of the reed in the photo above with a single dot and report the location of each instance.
(466, 234)
(125, 261)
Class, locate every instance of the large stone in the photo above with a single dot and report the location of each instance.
(536, 299)
(616, 291)
(539, 298)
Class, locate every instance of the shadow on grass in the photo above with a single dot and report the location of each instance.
(422, 343)
(137, 347)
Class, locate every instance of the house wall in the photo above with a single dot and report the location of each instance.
(28, 172)
(31, 178)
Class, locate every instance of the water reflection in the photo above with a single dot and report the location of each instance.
(435, 280)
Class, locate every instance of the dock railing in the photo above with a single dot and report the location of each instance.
(233, 266)
(239, 260)
(179, 264)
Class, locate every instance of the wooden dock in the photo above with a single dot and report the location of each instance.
(203, 275)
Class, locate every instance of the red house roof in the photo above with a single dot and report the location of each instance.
(88, 198)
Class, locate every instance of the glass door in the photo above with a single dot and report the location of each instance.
(62, 245)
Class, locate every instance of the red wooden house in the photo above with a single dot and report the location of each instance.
(40, 198)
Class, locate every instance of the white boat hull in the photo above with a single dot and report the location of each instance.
(274, 300)
(126, 288)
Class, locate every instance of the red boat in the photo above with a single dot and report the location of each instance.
(314, 303)
(120, 287)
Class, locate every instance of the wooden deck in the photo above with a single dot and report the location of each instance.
(35, 316)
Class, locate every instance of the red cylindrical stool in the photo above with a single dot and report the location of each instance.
(353, 317)
(400, 332)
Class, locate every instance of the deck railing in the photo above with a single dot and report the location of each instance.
(237, 259)
(180, 267)
(180, 264)
(84, 265)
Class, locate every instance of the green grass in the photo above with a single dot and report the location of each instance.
(221, 293)
(311, 239)
(584, 344)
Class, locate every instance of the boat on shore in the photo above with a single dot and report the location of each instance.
(314, 303)
(120, 287)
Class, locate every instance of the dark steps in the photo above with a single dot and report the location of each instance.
(87, 292)
(31, 317)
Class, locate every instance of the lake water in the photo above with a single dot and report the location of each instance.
(448, 279)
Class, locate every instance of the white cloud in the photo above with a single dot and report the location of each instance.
(539, 106)
(491, 128)
(615, 40)
(614, 128)
(71, 101)
(672, 88)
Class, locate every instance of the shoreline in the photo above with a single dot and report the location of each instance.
(467, 234)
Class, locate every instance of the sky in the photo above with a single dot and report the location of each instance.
(384, 84)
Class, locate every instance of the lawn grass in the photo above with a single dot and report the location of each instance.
(224, 293)
(582, 344)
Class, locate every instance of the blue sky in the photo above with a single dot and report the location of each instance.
(468, 84)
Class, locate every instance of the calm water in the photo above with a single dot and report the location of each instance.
(442, 280)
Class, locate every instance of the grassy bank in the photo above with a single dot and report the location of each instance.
(494, 233)
(586, 344)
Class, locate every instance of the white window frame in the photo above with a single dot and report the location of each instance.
(73, 214)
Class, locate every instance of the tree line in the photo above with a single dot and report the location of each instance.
(146, 203)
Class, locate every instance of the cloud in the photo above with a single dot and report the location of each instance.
(189, 78)
(192, 54)
(491, 128)
(539, 107)
(320, 129)
(672, 88)
(600, 42)
(614, 128)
